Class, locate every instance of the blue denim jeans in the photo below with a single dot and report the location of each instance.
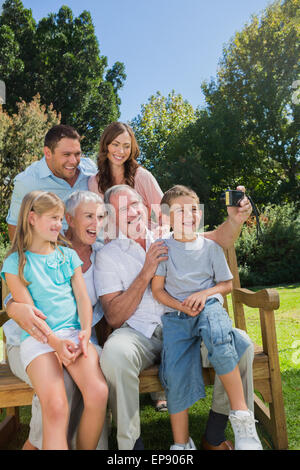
(181, 368)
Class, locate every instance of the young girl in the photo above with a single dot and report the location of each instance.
(43, 273)
(192, 283)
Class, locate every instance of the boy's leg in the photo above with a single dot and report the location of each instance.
(225, 347)
(45, 373)
(180, 370)
(214, 436)
(88, 376)
(180, 427)
(232, 384)
(220, 402)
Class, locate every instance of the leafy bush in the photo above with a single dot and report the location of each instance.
(276, 257)
(21, 143)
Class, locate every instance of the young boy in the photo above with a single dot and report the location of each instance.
(192, 283)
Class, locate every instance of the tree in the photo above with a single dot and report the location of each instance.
(21, 142)
(59, 58)
(254, 86)
(17, 30)
(248, 132)
(159, 119)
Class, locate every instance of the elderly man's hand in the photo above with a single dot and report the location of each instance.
(157, 252)
(241, 213)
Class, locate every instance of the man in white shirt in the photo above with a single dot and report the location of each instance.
(123, 272)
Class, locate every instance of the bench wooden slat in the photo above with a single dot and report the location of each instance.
(13, 391)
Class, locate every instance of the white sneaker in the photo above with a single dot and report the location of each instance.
(188, 446)
(243, 425)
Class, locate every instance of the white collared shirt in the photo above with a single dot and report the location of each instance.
(117, 265)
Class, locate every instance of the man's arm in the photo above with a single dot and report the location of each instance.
(228, 232)
(119, 306)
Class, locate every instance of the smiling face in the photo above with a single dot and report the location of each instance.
(64, 159)
(119, 150)
(131, 216)
(86, 222)
(185, 217)
(46, 227)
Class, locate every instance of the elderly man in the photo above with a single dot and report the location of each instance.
(123, 272)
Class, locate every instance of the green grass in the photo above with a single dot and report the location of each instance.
(156, 430)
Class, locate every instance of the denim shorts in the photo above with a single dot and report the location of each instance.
(181, 368)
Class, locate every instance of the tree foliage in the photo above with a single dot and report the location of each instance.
(21, 142)
(248, 132)
(253, 91)
(275, 258)
(59, 58)
(158, 121)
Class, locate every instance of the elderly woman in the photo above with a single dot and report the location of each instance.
(84, 214)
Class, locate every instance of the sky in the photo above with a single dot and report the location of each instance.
(165, 44)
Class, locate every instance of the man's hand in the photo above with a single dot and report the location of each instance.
(156, 253)
(241, 213)
(30, 319)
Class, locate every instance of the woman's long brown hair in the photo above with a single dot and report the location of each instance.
(104, 176)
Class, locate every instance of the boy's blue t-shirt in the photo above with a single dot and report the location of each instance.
(49, 278)
(192, 267)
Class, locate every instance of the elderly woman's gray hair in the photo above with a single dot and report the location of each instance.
(79, 197)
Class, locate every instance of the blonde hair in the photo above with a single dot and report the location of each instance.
(39, 202)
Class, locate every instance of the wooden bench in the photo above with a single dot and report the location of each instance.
(266, 372)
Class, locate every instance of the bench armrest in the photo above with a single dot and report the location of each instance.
(268, 299)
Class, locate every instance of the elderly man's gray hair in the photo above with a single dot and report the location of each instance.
(117, 189)
(79, 197)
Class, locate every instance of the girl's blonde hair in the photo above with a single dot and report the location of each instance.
(39, 202)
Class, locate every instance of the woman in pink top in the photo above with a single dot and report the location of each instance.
(117, 164)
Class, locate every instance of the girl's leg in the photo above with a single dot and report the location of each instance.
(46, 376)
(180, 426)
(232, 383)
(87, 374)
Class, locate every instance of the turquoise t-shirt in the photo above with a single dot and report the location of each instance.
(49, 278)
